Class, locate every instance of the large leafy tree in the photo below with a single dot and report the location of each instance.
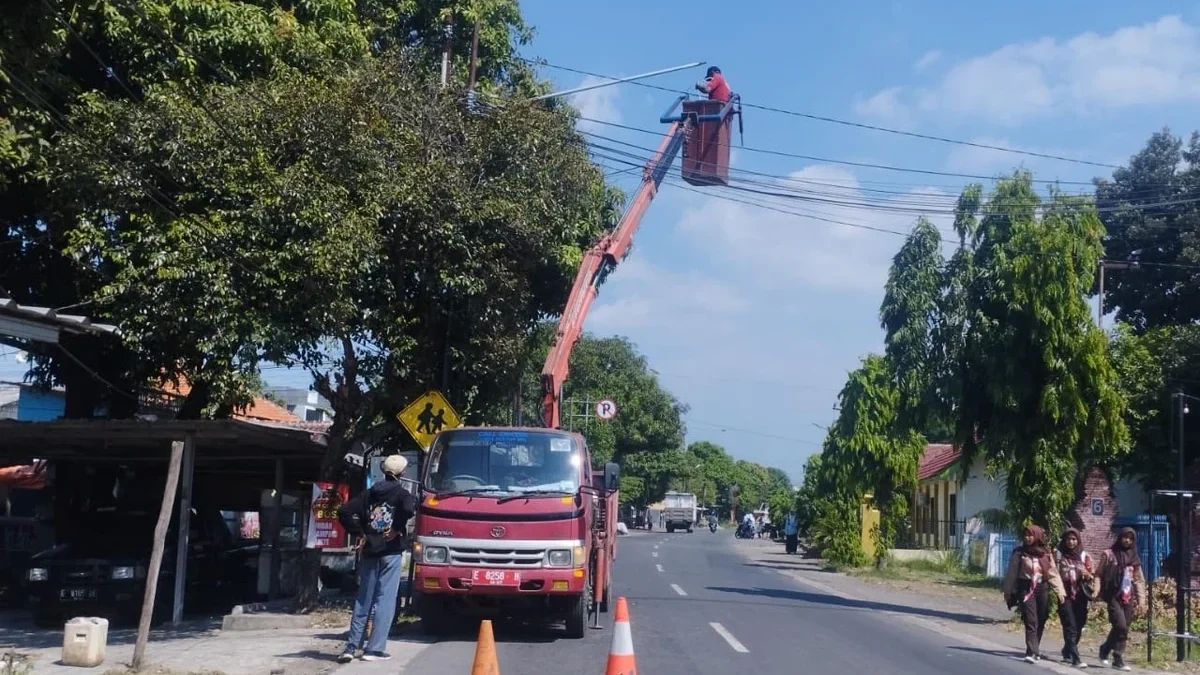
(1151, 215)
(363, 220)
(1040, 396)
(867, 451)
(908, 316)
(67, 66)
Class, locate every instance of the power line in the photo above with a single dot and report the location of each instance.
(859, 125)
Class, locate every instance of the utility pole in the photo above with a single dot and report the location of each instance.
(446, 50)
(1112, 265)
(1185, 554)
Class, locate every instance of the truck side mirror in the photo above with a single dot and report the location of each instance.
(612, 476)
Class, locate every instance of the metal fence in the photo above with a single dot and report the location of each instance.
(934, 535)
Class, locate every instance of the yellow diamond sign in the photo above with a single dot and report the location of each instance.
(428, 414)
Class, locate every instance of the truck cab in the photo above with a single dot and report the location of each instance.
(514, 521)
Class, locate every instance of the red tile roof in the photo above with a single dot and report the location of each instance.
(936, 458)
(260, 409)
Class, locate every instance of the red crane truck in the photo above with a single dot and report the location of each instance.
(517, 521)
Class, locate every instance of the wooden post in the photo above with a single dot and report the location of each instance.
(156, 553)
(188, 470)
(276, 530)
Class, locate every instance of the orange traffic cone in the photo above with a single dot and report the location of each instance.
(485, 652)
(620, 657)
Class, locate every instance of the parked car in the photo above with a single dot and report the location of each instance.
(100, 569)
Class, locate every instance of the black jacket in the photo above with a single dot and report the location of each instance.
(380, 515)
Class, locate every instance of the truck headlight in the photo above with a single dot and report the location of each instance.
(435, 554)
(38, 574)
(559, 557)
(122, 573)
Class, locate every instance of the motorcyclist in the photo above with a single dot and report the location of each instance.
(712, 522)
(748, 524)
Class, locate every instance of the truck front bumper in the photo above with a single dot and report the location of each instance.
(457, 580)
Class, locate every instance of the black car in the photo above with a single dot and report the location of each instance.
(100, 568)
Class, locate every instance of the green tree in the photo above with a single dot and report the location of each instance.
(78, 74)
(867, 450)
(390, 243)
(1150, 215)
(808, 494)
(908, 316)
(1040, 396)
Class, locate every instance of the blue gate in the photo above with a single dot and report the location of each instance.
(1154, 540)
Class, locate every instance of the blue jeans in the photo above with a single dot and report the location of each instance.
(378, 584)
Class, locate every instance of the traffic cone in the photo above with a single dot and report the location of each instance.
(620, 657)
(485, 652)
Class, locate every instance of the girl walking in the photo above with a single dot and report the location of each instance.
(1031, 575)
(1123, 588)
(1075, 567)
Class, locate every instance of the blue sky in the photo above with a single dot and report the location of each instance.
(754, 317)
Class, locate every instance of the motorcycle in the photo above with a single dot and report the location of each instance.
(744, 531)
(712, 527)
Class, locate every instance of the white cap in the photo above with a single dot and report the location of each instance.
(394, 464)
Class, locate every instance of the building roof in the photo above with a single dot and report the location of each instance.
(260, 410)
(936, 458)
(46, 317)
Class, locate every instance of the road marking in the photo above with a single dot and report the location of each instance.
(654, 553)
(659, 567)
(733, 642)
(656, 547)
(677, 589)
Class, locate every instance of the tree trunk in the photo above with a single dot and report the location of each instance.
(156, 553)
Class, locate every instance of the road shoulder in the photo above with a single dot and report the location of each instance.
(980, 622)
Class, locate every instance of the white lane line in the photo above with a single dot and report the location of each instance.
(733, 642)
(656, 547)
(659, 567)
(654, 553)
(677, 589)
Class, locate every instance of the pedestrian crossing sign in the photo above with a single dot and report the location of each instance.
(428, 414)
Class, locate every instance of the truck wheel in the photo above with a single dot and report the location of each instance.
(577, 617)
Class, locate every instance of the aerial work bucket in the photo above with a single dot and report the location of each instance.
(706, 154)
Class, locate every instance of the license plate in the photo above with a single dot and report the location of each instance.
(77, 594)
(496, 577)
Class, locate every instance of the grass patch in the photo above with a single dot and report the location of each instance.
(945, 568)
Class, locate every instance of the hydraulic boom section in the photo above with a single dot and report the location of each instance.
(702, 132)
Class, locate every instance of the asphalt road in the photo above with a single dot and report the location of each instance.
(698, 607)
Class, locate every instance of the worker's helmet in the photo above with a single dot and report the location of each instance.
(712, 70)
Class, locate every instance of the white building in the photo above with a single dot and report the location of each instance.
(305, 404)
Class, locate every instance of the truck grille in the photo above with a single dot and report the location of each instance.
(498, 557)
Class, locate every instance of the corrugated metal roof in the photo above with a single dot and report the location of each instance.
(76, 323)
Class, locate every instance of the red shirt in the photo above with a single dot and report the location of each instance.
(718, 89)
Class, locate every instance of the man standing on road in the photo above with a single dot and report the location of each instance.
(380, 516)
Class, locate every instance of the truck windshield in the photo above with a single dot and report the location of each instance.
(504, 461)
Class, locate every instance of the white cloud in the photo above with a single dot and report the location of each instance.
(927, 59)
(886, 104)
(1154, 63)
(597, 105)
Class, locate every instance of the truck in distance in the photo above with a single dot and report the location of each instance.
(679, 511)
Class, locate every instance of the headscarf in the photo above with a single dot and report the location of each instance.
(1075, 555)
(1122, 557)
(1038, 549)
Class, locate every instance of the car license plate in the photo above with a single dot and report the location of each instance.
(77, 594)
(496, 577)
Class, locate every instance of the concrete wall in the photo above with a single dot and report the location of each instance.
(979, 493)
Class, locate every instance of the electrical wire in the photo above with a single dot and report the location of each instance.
(848, 123)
